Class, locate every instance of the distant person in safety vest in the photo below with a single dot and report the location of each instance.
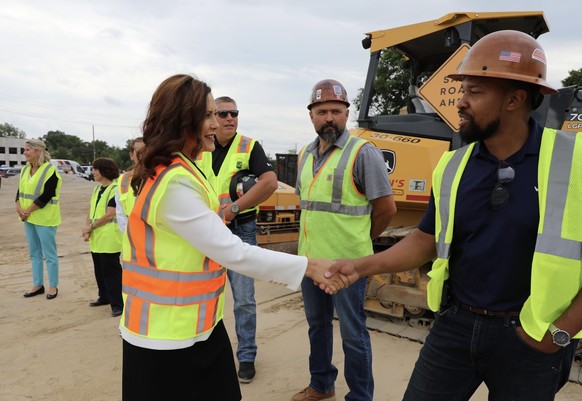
(346, 202)
(236, 154)
(176, 250)
(503, 227)
(124, 197)
(104, 236)
(37, 205)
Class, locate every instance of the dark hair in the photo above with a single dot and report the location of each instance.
(107, 167)
(177, 109)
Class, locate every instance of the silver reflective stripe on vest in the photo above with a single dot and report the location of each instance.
(339, 173)
(143, 314)
(113, 220)
(336, 206)
(244, 144)
(149, 233)
(202, 317)
(172, 300)
(172, 275)
(131, 244)
(342, 209)
(39, 185)
(550, 241)
(443, 249)
(225, 200)
(125, 183)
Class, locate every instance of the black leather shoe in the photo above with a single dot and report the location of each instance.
(246, 372)
(99, 302)
(34, 293)
(116, 312)
(52, 296)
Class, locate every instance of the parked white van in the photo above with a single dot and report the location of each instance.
(70, 167)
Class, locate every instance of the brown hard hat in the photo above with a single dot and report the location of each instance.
(509, 55)
(328, 90)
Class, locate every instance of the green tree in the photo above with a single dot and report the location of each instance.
(11, 131)
(63, 146)
(575, 78)
(390, 85)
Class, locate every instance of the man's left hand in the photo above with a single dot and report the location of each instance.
(546, 346)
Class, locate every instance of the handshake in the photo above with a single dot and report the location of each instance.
(332, 276)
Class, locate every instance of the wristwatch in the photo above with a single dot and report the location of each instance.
(559, 337)
(234, 208)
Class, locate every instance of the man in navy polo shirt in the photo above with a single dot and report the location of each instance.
(503, 228)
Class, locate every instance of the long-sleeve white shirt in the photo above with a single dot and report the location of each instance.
(120, 213)
(183, 210)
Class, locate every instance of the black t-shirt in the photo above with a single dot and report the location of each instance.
(111, 202)
(492, 250)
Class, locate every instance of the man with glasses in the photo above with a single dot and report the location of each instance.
(234, 154)
(503, 228)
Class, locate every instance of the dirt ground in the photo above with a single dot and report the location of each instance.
(63, 350)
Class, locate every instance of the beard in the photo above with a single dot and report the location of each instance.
(472, 133)
(329, 133)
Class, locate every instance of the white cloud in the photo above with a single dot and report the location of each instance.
(70, 66)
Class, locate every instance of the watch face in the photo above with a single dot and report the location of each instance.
(234, 208)
(561, 338)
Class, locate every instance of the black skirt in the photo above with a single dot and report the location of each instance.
(204, 371)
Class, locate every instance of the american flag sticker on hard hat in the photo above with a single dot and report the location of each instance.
(509, 56)
(539, 55)
(318, 94)
(337, 90)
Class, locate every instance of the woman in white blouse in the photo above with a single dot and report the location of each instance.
(175, 345)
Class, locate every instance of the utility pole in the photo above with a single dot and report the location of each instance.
(93, 126)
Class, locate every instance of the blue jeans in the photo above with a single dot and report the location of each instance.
(349, 305)
(42, 245)
(464, 349)
(243, 294)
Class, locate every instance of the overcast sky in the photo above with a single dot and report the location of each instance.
(69, 65)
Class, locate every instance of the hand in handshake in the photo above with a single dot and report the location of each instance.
(332, 276)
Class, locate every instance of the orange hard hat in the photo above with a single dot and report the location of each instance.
(509, 55)
(328, 90)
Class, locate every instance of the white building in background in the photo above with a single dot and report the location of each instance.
(12, 151)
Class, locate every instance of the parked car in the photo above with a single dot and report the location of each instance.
(70, 167)
(89, 171)
(10, 172)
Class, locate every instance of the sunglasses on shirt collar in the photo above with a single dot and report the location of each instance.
(500, 194)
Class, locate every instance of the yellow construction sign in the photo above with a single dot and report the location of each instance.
(442, 93)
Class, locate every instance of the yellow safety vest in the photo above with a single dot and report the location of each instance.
(126, 196)
(237, 159)
(335, 218)
(556, 276)
(171, 290)
(105, 238)
(30, 188)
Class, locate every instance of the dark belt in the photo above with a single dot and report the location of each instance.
(243, 219)
(484, 312)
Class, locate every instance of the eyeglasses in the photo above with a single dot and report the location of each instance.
(500, 194)
(225, 113)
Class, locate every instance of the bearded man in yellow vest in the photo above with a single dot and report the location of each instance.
(124, 197)
(504, 226)
(346, 201)
(236, 153)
